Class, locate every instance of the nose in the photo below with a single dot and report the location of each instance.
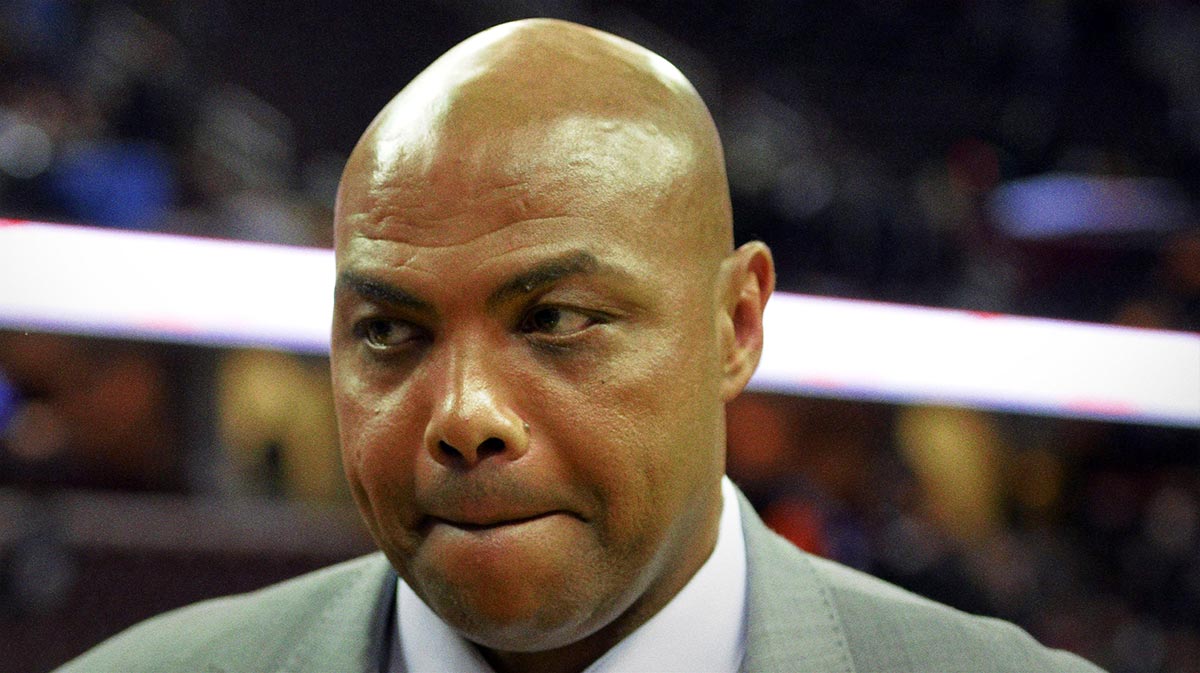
(473, 418)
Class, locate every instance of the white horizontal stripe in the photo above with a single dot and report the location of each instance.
(889, 352)
(203, 291)
(170, 288)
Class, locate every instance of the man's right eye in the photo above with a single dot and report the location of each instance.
(383, 334)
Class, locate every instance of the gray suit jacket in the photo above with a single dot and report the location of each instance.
(805, 614)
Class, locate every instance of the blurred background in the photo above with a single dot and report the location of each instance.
(1035, 157)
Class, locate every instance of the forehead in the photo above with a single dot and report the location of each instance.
(618, 178)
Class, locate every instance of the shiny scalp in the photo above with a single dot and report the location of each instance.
(595, 109)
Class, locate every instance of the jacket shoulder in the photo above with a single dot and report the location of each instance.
(889, 628)
(812, 613)
(252, 631)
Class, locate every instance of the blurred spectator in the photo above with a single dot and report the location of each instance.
(88, 413)
(277, 426)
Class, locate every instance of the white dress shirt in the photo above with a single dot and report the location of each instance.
(701, 630)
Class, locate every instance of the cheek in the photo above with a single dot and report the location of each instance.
(379, 446)
(639, 429)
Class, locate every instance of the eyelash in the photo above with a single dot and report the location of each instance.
(362, 330)
(591, 319)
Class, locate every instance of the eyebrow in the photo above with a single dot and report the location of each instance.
(378, 291)
(527, 282)
(545, 273)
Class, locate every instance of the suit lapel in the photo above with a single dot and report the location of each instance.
(792, 624)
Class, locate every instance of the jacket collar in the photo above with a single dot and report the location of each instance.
(792, 622)
(353, 629)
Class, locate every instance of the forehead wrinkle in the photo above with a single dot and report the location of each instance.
(547, 269)
(496, 197)
(400, 231)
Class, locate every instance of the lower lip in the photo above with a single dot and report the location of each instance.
(505, 554)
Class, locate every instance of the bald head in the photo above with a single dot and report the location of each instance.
(565, 111)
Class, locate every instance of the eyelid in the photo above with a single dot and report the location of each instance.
(360, 329)
(593, 318)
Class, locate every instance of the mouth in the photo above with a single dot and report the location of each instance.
(486, 524)
(494, 547)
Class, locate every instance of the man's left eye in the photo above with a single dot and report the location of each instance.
(555, 321)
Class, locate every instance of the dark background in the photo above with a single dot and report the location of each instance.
(875, 145)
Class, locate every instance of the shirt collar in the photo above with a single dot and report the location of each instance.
(703, 628)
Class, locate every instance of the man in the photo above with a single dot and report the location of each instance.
(539, 317)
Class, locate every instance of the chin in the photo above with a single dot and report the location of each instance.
(511, 628)
(504, 590)
(531, 618)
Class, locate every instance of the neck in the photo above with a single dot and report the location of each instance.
(577, 656)
(572, 658)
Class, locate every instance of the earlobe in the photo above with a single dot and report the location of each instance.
(750, 280)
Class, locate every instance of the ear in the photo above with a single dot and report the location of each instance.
(748, 274)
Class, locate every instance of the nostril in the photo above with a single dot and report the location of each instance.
(448, 450)
(491, 446)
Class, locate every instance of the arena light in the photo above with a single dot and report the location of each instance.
(171, 288)
(889, 352)
(1063, 205)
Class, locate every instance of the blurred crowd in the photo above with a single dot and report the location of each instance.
(107, 119)
(1040, 158)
